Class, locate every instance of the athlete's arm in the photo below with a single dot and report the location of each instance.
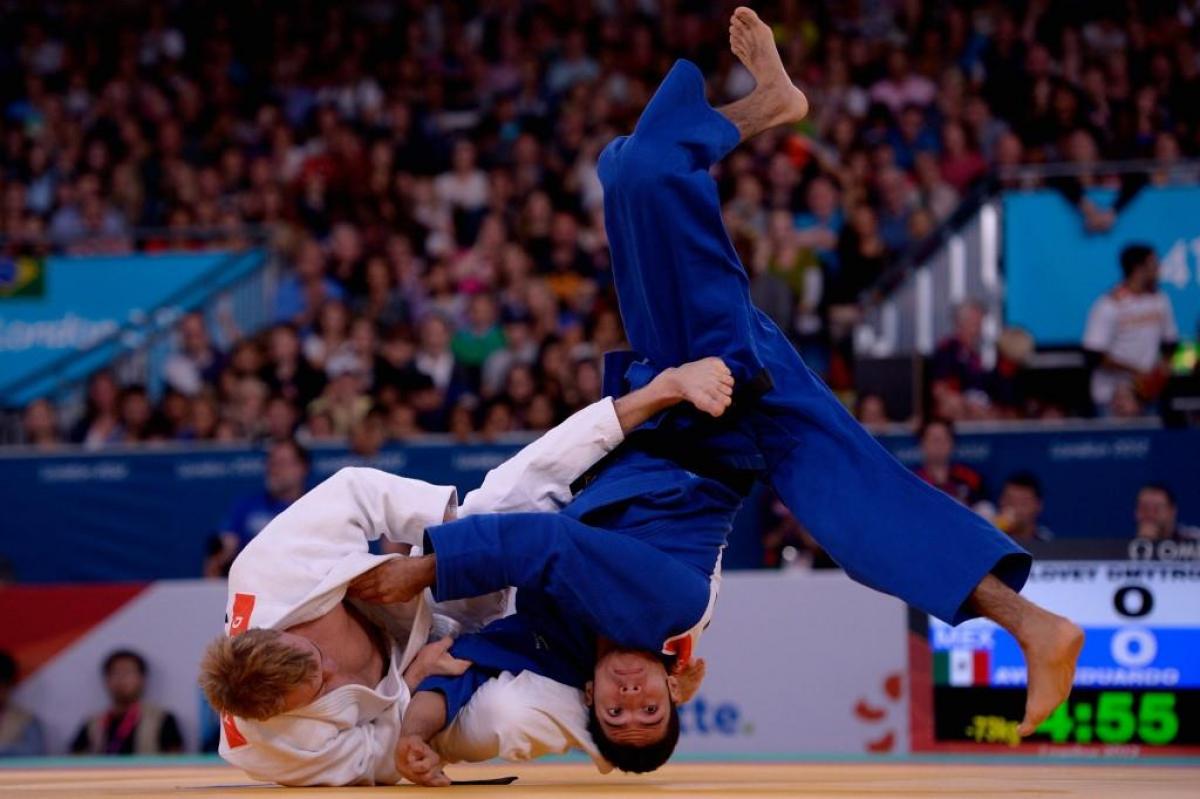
(539, 477)
(416, 760)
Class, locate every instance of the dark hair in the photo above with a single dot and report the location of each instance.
(1025, 479)
(1162, 487)
(636, 759)
(8, 668)
(297, 448)
(123, 654)
(935, 421)
(1133, 256)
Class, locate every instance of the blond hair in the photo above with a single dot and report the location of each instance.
(251, 674)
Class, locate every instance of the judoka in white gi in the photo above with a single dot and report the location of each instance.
(312, 684)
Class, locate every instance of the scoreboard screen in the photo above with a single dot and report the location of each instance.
(1137, 688)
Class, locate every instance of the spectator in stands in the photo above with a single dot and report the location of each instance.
(136, 415)
(302, 293)
(962, 164)
(368, 436)
(871, 412)
(280, 419)
(896, 206)
(938, 468)
(101, 422)
(1007, 384)
(436, 360)
(196, 362)
(1020, 508)
(820, 225)
(130, 726)
(958, 376)
(936, 195)
(287, 468)
(344, 399)
(1131, 332)
(1157, 515)
(862, 257)
(20, 731)
(900, 86)
(481, 336)
(1084, 154)
(287, 372)
(39, 425)
(330, 338)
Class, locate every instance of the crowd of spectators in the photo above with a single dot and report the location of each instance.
(427, 171)
(1016, 509)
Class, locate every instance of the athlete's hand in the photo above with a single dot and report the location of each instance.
(707, 384)
(396, 580)
(434, 660)
(689, 675)
(418, 763)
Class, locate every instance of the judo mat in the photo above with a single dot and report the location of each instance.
(199, 778)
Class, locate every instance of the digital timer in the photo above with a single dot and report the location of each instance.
(1137, 682)
(1115, 717)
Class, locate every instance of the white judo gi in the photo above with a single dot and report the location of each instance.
(298, 568)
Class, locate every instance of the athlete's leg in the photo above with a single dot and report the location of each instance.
(681, 286)
(895, 533)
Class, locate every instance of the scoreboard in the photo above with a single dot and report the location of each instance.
(1137, 688)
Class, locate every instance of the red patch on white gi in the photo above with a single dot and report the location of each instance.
(239, 621)
(233, 736)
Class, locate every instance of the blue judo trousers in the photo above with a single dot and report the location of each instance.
(631, 557)
(685, 295)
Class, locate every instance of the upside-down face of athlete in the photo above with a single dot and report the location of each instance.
(632, 695)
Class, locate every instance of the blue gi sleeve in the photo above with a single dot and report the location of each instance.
(457, 690)
(617, 586)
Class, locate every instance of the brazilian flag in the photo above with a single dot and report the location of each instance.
(23, 276)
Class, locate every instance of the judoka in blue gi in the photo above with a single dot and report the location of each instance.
(619, 584)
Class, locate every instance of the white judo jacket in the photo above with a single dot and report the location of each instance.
(297, 569)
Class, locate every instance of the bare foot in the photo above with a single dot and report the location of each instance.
(1051, 645)
(753, 43)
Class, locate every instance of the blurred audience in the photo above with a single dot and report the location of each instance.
(20, 731)
(130, 726)
(1020, 509)
(454, 178)
(286, 480)
(939, 469)
(957, 371)
(1157, 516)
(195, 362)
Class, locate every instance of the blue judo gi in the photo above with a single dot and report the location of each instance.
(684, 295)
(632, 559)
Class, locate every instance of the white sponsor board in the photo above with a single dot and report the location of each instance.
(169, 624)
(797, 663)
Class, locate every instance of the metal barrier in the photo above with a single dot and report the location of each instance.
(242, 294)
(911, 307)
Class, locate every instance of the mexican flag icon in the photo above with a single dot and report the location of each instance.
(962, 667)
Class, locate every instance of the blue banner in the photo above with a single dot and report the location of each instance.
(1055, 270)
(148, 515)
(80, 302)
